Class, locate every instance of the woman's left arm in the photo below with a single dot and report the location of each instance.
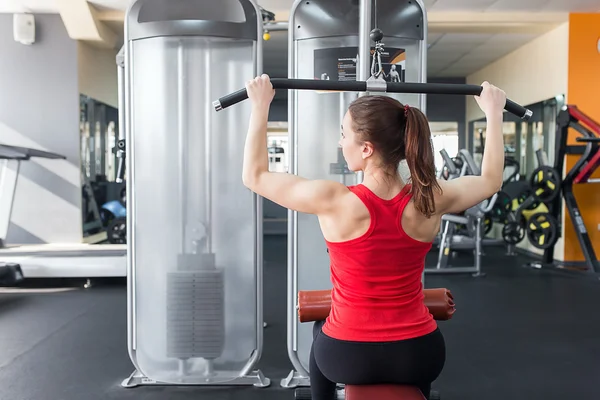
(288, 190)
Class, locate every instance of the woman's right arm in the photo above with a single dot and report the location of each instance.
(462, 193)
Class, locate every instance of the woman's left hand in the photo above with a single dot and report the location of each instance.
(260, 91)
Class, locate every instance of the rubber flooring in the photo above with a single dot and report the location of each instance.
(518, 333)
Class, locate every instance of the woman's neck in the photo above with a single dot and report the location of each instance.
(385, 184)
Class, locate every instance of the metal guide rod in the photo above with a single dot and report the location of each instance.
(208, 158)
(364, 44)
(364, 51)
(373, 86)
(120, 153)
(182, 143)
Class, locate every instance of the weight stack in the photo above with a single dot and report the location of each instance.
(195, 309)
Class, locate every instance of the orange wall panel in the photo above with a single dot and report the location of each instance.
(584, 92)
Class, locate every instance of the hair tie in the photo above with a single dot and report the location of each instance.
(406, 107)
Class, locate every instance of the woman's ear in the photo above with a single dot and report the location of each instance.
(367, 150)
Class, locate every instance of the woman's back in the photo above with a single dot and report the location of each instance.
(376, 275)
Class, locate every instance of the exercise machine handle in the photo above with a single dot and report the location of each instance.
(121, 161)
(372, 85)
(487, 205)
(449, 162)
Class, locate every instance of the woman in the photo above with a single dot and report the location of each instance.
(378, 234)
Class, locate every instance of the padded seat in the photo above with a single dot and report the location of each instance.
(383, 392)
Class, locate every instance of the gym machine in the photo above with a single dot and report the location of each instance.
(543, 228)
(194, 250)
(514, 206)
(473, 219)
(324, 39)
(11, 157)
(453, 167)
(48, 260)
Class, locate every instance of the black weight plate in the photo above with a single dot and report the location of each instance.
(542, 230)
(513, 232)
(545, 183)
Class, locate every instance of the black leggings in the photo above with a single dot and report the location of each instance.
(416, 362)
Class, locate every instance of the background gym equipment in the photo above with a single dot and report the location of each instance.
(465, 231)
(45, 260)
(50, 260)
(453, 167)
(518, 201)
(550, 187)
(194, 305)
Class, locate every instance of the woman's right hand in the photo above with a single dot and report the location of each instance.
(491, 100)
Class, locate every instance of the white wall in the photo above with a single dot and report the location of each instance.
(534, 72)
(98, 73)
(39, 103)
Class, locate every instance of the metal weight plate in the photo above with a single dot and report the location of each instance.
(542, 230)
(513, 232)
(545, 183)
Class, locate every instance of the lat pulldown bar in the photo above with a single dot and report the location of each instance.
(373, 85)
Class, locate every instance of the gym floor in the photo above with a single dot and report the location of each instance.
(518, 334)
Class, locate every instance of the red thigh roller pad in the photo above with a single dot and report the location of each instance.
(315, 305)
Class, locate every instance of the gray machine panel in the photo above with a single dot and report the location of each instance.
(315, 120)
(230, 19)
(326, 18)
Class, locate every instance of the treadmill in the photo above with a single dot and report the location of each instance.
(50, 260)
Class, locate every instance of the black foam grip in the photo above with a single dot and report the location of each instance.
(456, 89)
(120, 169)
(298, 84)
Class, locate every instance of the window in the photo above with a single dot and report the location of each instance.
(444, 136)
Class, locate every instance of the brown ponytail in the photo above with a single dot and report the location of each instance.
(420, 160)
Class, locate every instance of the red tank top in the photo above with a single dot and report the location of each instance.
(377, 293)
